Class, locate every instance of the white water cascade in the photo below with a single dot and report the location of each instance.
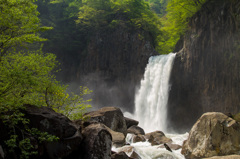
(152, 97)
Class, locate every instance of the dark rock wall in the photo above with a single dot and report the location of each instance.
(113, 65)
(205, 75)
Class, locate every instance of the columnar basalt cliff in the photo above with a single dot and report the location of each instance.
(113, 64)
(205, 75)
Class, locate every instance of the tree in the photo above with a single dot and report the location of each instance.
(158, 6)
(19, 24)
(26, 77)
(175, 22)
(105, 14)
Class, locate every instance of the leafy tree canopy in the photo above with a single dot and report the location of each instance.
(158, 6)
(26, 77)
(175, 22)
(19, 23)
(100, 14)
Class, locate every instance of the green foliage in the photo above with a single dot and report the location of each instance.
(18, 24)
(105, 14)
(175, 22)
(158, 6)
(24, 143)
(26, 77)
(93, 16)
(73, 106)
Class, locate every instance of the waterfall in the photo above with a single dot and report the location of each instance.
(152, 97)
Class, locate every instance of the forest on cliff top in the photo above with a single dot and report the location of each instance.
(74, 21)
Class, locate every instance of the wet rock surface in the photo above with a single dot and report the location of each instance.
(112, 117)
(136, 130)
(214, 134)
(97, 142)
(138, 138)
(157, 138)
(130, 122)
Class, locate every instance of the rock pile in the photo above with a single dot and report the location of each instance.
(79, 139)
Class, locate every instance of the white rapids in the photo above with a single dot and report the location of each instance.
(146, 151)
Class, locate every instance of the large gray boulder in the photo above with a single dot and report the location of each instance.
(214, 134)
(118, 138)
(112, 117)
(97, 142)
(47, 120)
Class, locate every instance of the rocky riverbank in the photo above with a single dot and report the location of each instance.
(214, 134)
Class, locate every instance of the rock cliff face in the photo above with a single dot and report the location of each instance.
(113, 65)
(205, 75)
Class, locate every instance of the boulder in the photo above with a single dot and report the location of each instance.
(118, 139)
(112, 117)
(130, 122)
(130, 151)
(47, 120)
(120, 155)
(97, 142)
(135, 130)
(171, 146)
(138, 138)
(157, 138)
(214, 134)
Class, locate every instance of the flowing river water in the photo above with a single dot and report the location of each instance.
(151, 109)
